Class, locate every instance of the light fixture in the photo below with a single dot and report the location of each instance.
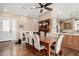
(33, 8)
(25, 14)
(5, 10)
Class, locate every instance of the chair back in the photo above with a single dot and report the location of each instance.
(58, 43)
(31, 33)
(29, 39)
(51, 35)
(26, 35)
(36, 41)
(42, 34)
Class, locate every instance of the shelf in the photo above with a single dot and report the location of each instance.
(44, 25)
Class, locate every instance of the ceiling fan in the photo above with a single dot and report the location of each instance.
(43, 6)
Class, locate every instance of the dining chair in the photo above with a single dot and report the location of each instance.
(42, 34)
(37, 44)
(31, 33)
(50, 35)
(29, 38)
(57, 47)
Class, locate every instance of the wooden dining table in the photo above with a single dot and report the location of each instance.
(47, 43)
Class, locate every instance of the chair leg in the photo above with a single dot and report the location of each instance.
(55, 54)
(26, 44)
(60, 53)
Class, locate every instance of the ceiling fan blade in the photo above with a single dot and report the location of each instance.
(41, 10)
(47, 4)
(35, 7)
(41, 5)
(50, 9)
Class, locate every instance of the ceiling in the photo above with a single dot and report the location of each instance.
(61, 10)
(66, 10)
(22, 8)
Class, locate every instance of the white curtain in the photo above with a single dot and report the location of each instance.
(8, 29)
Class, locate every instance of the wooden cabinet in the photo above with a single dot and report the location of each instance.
(66, 25)
(76, 42)
(71, 41)
(67, 41)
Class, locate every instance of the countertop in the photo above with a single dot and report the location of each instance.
(69, 33)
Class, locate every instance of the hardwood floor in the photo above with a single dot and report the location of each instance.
(22, 50)
(7, 48)
(11, 49)
(70, 52)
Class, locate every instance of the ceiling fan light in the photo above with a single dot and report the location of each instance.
(33, 7)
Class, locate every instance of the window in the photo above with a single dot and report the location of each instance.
(6, 25)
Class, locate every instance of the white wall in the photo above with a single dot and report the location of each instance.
(30, 24)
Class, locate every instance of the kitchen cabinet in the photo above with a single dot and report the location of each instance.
(76, 42)
(67, 41)
(71, 41)
(70, 24)
(66, 25)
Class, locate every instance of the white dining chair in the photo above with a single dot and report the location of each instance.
(57, 47)
(29, 38)
(50, 35)
(37, 44)
(31, 33)
(42, 34)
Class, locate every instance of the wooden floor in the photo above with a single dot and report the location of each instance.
(11, 49)
(70, 52)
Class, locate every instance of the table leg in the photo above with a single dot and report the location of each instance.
(48, 50)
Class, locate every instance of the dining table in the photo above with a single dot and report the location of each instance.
(47, 43)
